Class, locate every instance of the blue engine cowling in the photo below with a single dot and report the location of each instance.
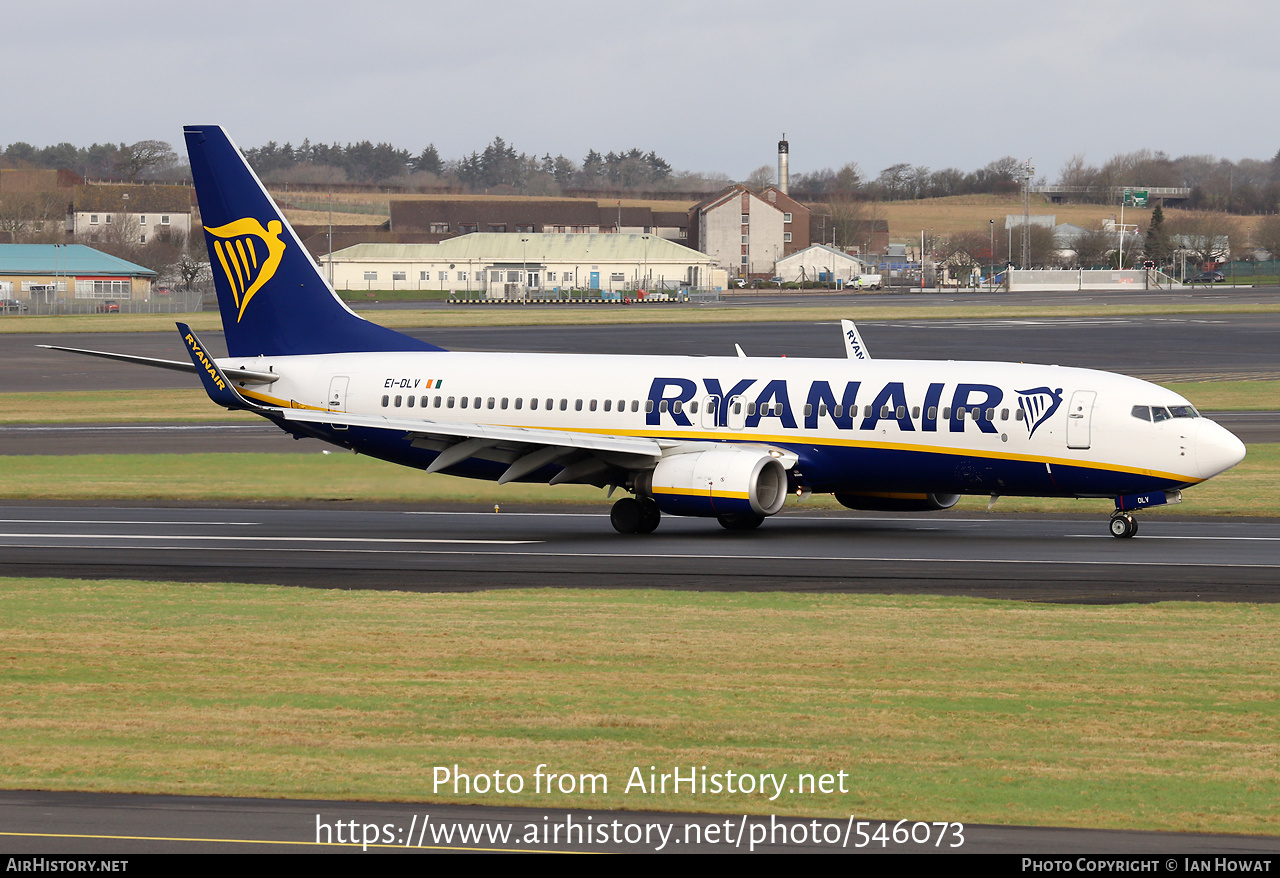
(898, 502)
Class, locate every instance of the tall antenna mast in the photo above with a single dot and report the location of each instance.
(1028, 171)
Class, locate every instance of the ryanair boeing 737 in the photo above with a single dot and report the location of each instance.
(720, 437)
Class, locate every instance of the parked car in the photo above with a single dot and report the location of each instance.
(109, 306)
(12, 306)
(1208, 277)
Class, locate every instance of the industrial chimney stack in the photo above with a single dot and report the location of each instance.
(783, 149)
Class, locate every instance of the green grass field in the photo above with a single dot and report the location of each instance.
(1134, 717)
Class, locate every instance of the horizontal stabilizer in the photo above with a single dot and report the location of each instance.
(248, 376)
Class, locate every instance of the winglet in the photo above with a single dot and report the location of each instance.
(216, 384)
(854, 348)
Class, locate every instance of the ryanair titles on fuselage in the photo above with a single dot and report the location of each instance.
(669, 400)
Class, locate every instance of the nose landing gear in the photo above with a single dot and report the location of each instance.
(1123, 525)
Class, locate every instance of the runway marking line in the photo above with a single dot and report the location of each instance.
(122, 521)
(217, 537)
(425, 847)
(693, 556)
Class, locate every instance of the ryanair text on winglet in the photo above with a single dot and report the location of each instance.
(208, 364)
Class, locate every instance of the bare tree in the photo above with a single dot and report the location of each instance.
(145, 156)
(848, 178)
(1205, 236)
(1092, 247)
(759, 179)
(1266, 235)
(963, 252)
(31, 217)
(853, 222)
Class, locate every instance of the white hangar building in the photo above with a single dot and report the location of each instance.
(499, 264)
(819, 262)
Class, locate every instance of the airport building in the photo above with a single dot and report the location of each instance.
(501, 265)
(741, 231)
(133, 214)
(820, 263)
(48, 273)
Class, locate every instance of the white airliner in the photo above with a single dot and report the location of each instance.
(722, 437)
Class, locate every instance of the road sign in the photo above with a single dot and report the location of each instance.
(1136, 197)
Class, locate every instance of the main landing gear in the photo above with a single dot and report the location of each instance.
(740, 522)
(1123, 525)
(632, 516)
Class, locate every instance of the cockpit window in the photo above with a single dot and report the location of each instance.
(1160, 413)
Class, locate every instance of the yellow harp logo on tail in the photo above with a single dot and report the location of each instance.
(249, 255)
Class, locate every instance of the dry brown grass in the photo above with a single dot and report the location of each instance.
(321, 217)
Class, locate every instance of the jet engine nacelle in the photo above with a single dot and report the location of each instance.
(720, 481)
(898, 502)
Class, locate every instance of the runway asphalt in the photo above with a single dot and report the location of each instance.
(1035, 559)
(104, 824)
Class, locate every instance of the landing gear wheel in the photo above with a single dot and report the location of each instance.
(740, 522)
(650, 516)
(1123, 526)
(626, 515)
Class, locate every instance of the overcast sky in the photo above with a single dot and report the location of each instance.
(708, 85)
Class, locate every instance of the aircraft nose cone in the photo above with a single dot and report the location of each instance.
(1217, 449)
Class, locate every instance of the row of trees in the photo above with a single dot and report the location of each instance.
(900, 182)
(1244, 187)
(144, 160)
(499, 167)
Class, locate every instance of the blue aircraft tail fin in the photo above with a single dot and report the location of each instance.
(273, 299)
